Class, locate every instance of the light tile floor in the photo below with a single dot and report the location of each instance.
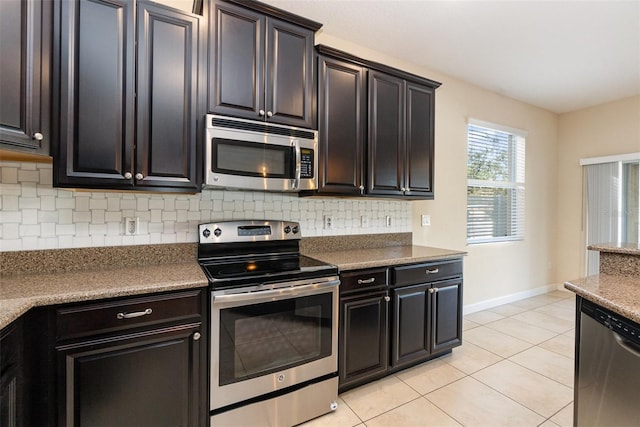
(515, 368)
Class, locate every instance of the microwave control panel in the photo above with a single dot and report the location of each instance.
(306, 163)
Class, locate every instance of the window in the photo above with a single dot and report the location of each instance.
(495, 188)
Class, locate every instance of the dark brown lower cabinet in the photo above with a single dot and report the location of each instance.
(411, 325)
(133, 362)
(148, 379)
(383, 330)
(10, 378)
(426, 321)
(446, 315)
(363, 349)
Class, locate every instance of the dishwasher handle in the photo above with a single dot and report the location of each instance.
(628, 345)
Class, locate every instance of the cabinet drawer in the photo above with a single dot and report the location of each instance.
(363, 279)
(121, 315)
(423, 273)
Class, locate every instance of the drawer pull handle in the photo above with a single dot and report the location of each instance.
(366, 281)
(196, 336)
(134, 314)
(387, 298)
(434, 271)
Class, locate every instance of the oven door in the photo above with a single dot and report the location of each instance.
(267, 340)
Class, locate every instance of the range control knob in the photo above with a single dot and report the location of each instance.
(295, 229)
(217, 232)
(206, 233)
(287, 229)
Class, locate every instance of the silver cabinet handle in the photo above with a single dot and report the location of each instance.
(433, 290)
(434, 271)
(361, 188)
(269, 114)
(139, 176)
(196, 336)
(127, 175)
(366, 281)
(387, 298)
(261, 113)
(134, 314)
(403, 189)
(38, 136)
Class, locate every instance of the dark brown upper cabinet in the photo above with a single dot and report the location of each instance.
(386, 135)
(419, 141)
(375, 128)
(342, 118)
(25, 48)
(127, 95)
(401, 138)
(260, 63)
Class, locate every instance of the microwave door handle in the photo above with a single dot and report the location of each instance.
(296, 181)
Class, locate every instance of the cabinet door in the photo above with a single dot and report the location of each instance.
(94, 80)
(386, 134)
(446, 315)
(362, 349)
(341, 123)
(236, 58)
(10, 359)
(411, 325)
(148, 379)
(167, 97)
(25, 32)
(289, 74)
(419, 152)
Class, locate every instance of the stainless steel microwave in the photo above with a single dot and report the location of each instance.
(252, 155)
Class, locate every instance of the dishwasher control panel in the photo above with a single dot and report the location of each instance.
(619, 324)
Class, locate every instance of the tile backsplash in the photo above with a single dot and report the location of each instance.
(34, 215)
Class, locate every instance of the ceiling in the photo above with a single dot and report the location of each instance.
(558, 55)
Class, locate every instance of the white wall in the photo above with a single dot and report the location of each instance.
(33, 215)
(604, 130)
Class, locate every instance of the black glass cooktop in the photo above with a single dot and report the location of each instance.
(258, 269)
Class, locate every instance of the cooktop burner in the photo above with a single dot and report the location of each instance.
(240, 253)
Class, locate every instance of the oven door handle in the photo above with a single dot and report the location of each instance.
(287, 292)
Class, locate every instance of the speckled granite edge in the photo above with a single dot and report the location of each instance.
(621, 264)
(81, 259)
(353, 242)
(384, 257)
(619, 294)
(19, 293)
(619, 248)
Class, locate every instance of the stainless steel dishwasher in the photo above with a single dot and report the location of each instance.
(608, 369)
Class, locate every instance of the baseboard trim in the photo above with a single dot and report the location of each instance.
(506, 299)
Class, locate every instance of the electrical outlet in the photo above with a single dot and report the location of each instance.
(328, 222)
(426, 220)
(131, 226)
(387, 221)
(364, 221)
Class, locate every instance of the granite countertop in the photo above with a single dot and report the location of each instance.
(620, 294)
(617, 248)
(159, 268)
(378, 257)
(19, 293)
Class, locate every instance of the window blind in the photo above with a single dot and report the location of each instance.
(495, 189)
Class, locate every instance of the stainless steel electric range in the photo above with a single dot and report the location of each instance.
(274, 325)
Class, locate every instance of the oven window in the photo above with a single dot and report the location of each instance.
(268, 337)
(252, 159)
